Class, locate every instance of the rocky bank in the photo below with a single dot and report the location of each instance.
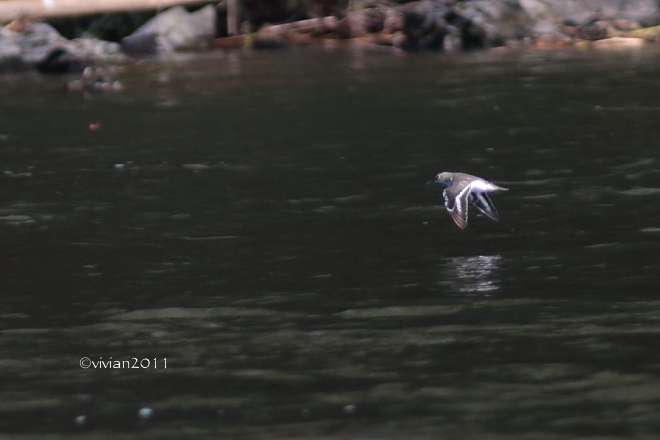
(427, 25)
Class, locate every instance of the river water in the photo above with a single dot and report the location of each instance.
(255, 231)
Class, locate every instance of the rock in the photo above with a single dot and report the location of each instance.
(38, 41)
(10, 52)
(536, 10)
(622, 24)
(492, 23)
(96, 79)
(644, 12)
(581, 11)
(423, 31)
(59, 60)
(594, 31)
(173, 30)
(502, 21)
(577, 12)
(40, 45)
(94, 49)
(507, 20)
(545, 27)
(471, 35)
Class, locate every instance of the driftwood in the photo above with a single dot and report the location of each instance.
(649, 33)
(17, 9)
(304, 25)
(297, 32)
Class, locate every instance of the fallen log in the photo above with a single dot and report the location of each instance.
(329, 22)
(648, 33)
(618, 43)
(16, 9)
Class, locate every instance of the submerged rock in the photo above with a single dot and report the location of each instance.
(173, 30)
(96, 79)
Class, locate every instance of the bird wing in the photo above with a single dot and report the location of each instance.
(484, 204)
(456, 201)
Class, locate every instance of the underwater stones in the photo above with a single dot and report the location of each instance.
(96, 79)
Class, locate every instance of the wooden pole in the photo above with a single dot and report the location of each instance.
(15, 9)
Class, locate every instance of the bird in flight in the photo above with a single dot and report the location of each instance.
(463, 188)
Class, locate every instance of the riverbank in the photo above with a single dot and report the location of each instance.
(73, 44)
(446, 26)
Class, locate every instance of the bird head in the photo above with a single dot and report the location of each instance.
(442, 178)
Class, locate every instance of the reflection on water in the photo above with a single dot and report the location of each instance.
(474, 274)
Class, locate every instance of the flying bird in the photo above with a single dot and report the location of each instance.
(463, 188)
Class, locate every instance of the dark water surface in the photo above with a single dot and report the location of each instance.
(261, 223)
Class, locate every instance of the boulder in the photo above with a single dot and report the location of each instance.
(644, 12)
(579, 12)
(60, 61)
(576, 11)
(38, 41)
(40, 45)
(423, 31)
(471, 35)
(173, 30)
(10, 52)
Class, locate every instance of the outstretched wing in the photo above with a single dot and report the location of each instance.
(484, 204)
(457, 204)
